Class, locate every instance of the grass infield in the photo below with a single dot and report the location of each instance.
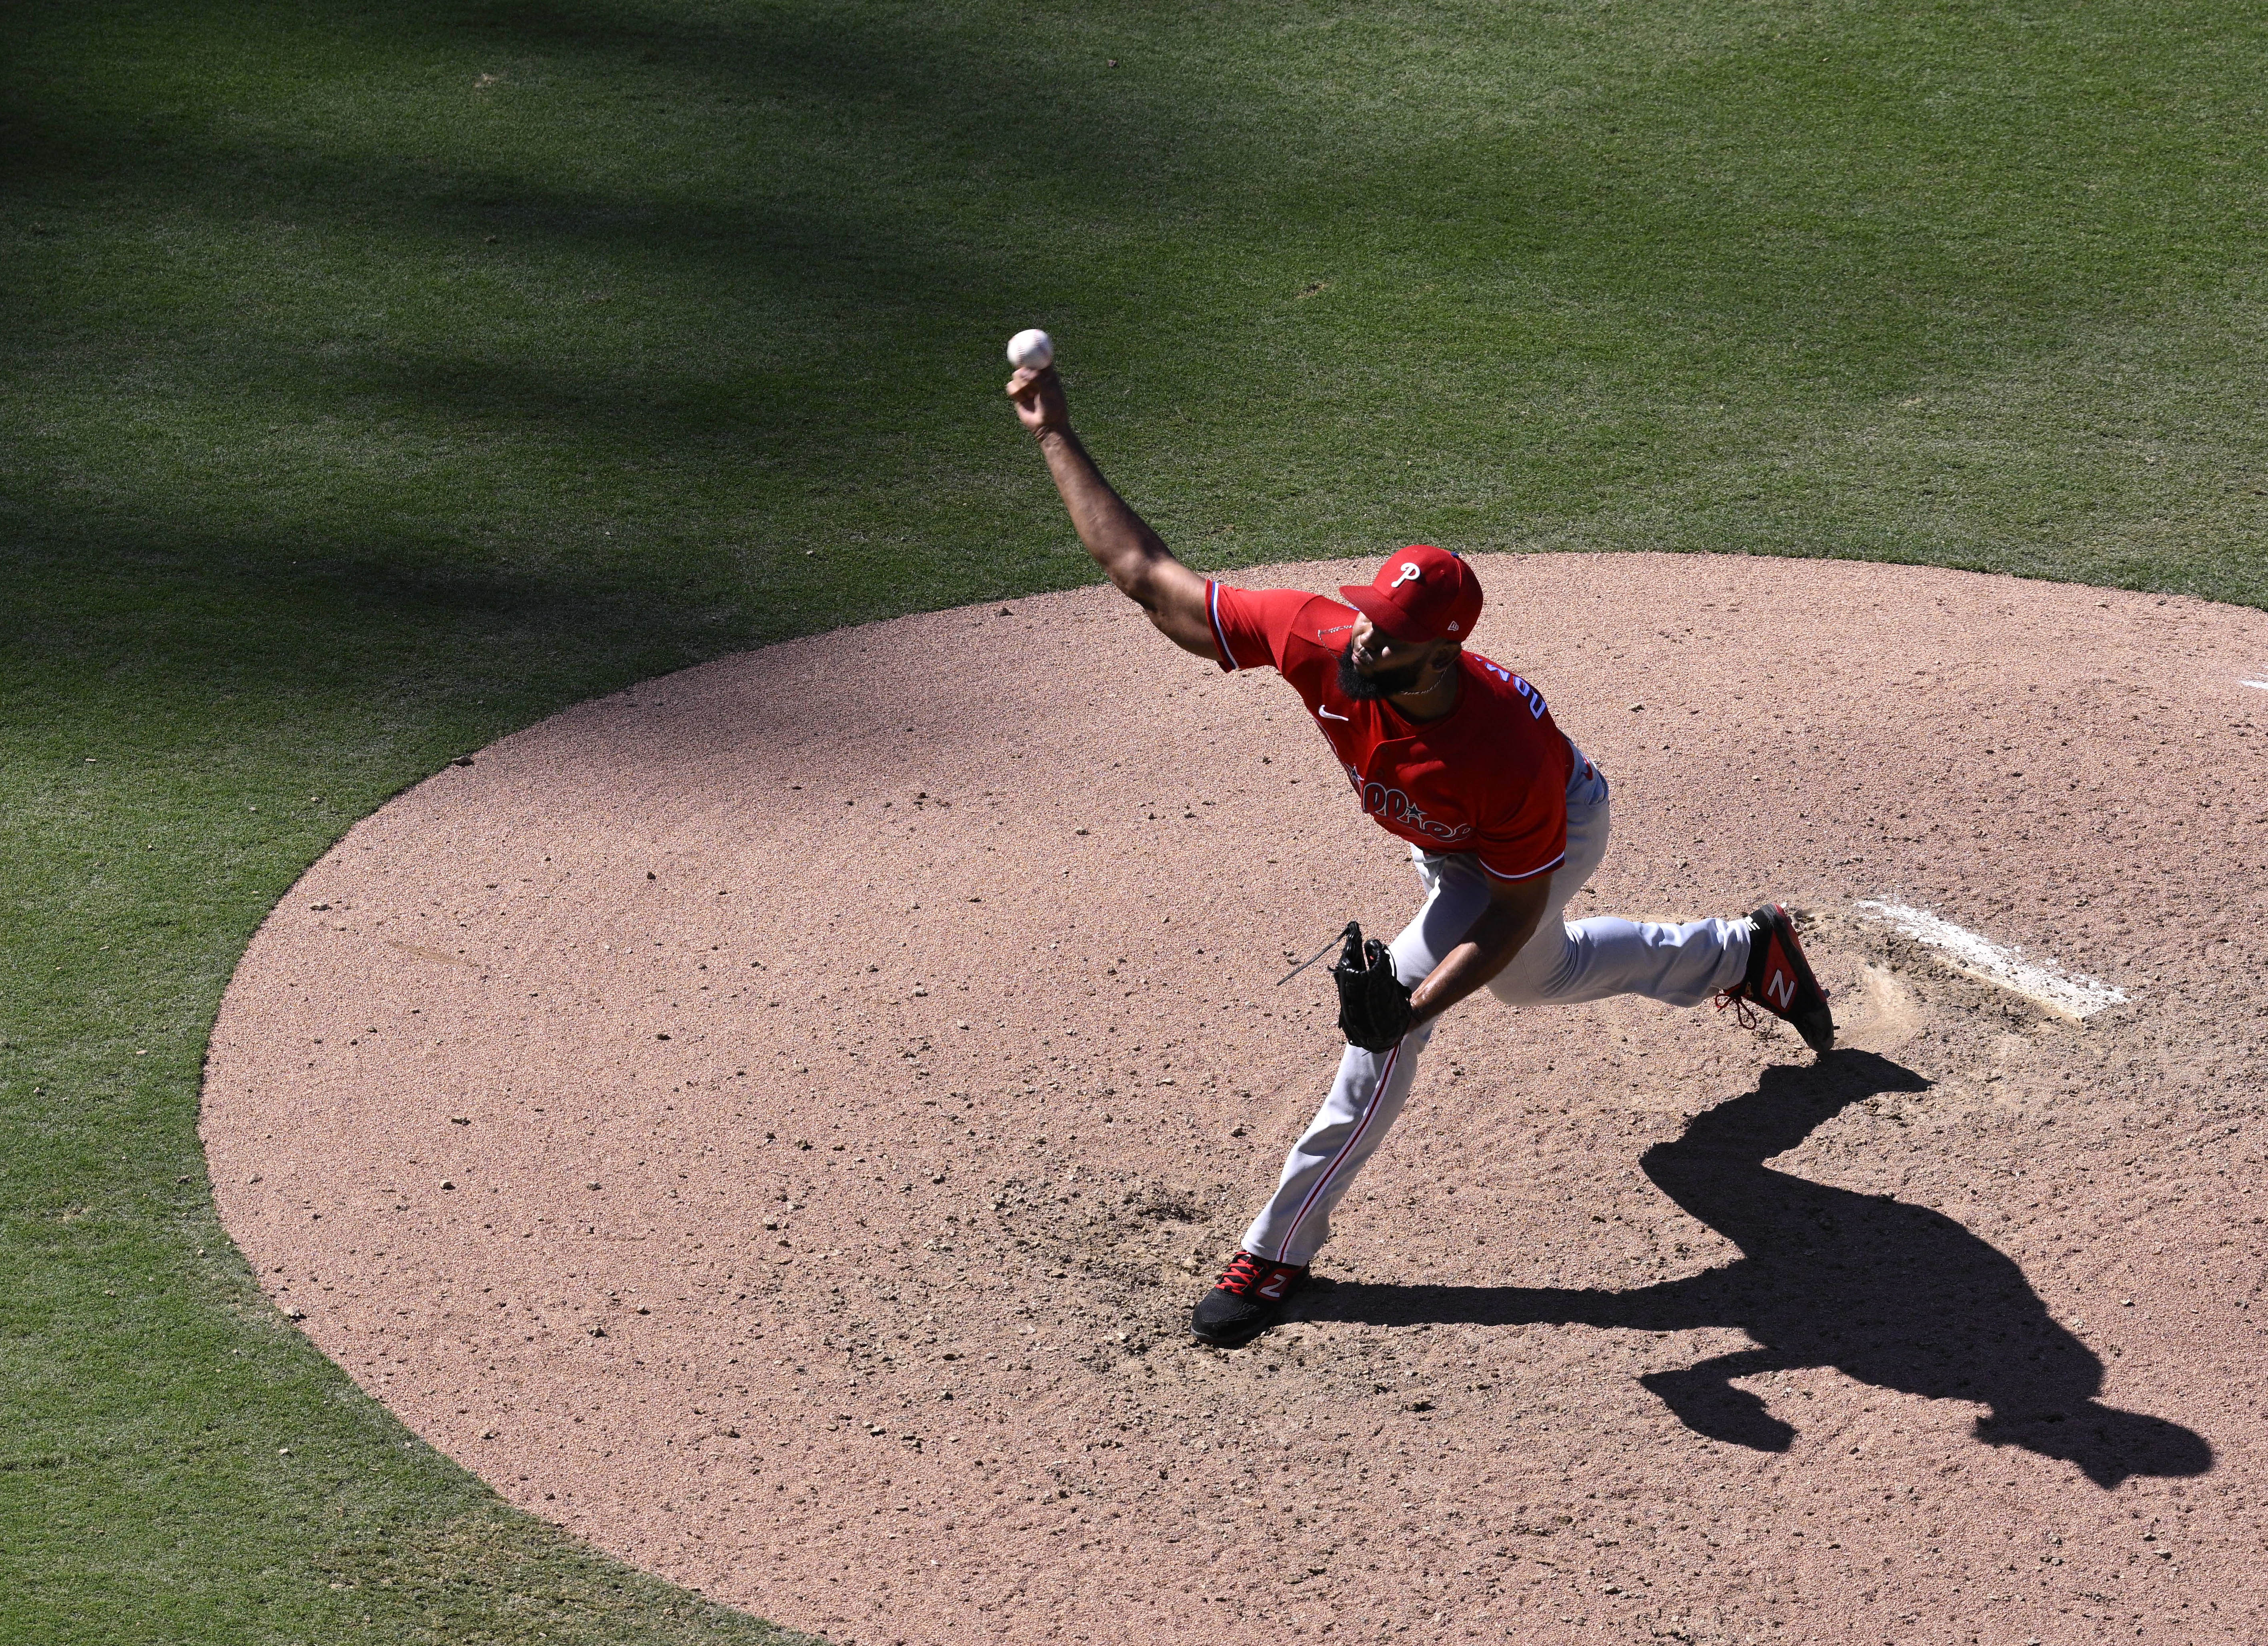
(375, 380)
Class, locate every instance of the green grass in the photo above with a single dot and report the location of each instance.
(374, 380)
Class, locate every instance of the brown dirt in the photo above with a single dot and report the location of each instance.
(947, 947)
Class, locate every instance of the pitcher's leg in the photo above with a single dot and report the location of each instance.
(1590, 960)
(1366, 1100)
(1679, 966)
(1367, 1095)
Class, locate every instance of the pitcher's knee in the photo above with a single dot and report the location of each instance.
(1523, 984)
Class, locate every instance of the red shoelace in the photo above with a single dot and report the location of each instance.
(1248, 1273)
(1244, 1273)
(1744, 1011)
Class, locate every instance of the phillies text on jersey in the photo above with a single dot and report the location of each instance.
(1490, 777)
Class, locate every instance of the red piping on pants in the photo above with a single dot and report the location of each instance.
(1368, 1114)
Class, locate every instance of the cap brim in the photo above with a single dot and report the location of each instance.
(1366, 598)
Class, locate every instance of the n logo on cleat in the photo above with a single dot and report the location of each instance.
(1273, 1287)
(1781, 986)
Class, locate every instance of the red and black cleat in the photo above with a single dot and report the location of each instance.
(1780, 980)
(1246, 1301)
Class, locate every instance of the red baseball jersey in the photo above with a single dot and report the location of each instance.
(1490, 777)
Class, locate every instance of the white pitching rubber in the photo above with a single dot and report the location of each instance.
(2041, 981)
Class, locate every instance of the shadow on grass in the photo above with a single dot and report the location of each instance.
(155, 633)
(988, 131)
(1887, 1293)
(802, 317)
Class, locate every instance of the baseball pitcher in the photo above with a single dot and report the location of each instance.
(1504, 818)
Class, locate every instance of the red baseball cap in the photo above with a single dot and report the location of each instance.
(1423, 593)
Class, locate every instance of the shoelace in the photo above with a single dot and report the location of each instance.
(1244, 1273)
(1743, 1013)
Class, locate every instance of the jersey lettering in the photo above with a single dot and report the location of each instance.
(1490, 778)
(1529, 693)
(1392, 805)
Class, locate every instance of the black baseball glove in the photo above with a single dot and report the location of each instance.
(1374, 1003)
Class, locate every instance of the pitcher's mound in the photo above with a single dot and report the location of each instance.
(776, 1120)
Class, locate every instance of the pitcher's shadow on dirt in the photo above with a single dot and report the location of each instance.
(1891, 1294)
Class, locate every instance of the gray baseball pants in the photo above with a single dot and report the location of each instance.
(1590, 960)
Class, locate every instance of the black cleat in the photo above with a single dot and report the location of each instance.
(1246, 1301)
(1780, 980)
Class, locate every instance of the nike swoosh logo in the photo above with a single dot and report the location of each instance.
(1328, 714)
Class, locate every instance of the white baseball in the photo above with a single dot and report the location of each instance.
(1033, 348)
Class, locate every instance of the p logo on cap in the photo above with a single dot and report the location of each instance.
(1421, 593)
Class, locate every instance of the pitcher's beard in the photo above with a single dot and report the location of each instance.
(1366, 689)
